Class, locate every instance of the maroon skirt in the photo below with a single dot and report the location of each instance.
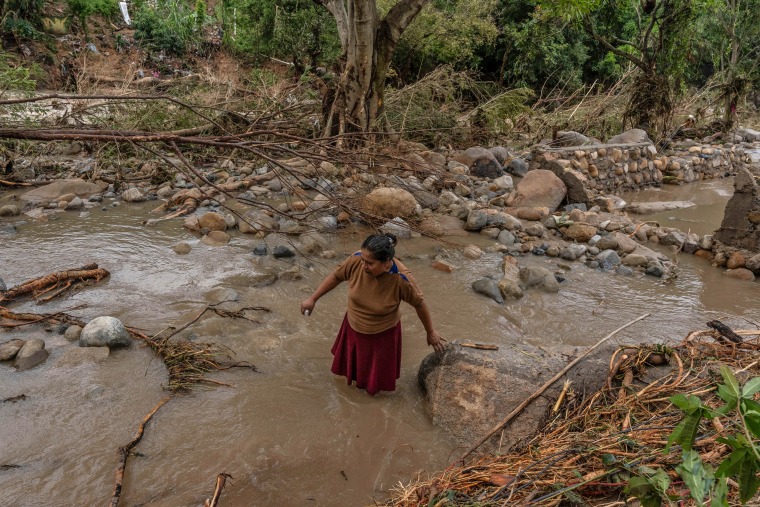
(372, 360)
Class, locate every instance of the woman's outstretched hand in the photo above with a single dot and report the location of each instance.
(435, 340)
(307, 306)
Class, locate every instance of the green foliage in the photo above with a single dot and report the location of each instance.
(83, 9)
(650, 487)
(742, 465)
(14, 77)
(298, 31)
(169, 27)
(453, 32)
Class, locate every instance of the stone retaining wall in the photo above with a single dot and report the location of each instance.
(590, 170)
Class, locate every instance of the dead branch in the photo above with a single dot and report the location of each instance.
(124, 452)
(220, 481)
(726, 333)
(53, 281)
(31, 318)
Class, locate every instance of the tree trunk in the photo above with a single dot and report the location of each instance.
(368, 44)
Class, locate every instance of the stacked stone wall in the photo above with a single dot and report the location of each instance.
(595, 169)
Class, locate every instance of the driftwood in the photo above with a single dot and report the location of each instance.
(479, 346)
(31, 318)
(544, 387)
(125, 450)
(726, 333)
(57, 282)
(221, 479)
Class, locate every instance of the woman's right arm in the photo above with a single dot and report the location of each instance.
(328, 284)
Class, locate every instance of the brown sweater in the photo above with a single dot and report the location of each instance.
(373, 302)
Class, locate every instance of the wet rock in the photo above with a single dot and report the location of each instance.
(390, 203)
(580, 232)
(292, 274)
(263, 279)
(312, 243)
(472, 252)
(624, 243)
(539, 188)
(9, 349)
(31, 354)
(501, 153)
(10, 210)
(283, 251)
(635, 260)
(753, 264)
(741, 274)
(182, 248)
(476, 220)
(7, 229)
(397, 227)
(518, 167)
(608, 242)
(3, 287)
(466, 390)
(631, 136)
(212, 221)
(75, 204)
(538, 276)
(506, 238)
(654, 268)
(53, 191)
(488, 287)
(481, 162)
(608, 260)
(572, 252)
(104, 332)
(132, 195)
(216, 238)
(73, 333)
(736, 260)
(255, 221)
(442, 265)
(624, 271)
(260, 249)
(675, 238)
(220, 294)
(535, 230)
(644, 208)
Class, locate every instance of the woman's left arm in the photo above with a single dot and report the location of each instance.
(433, 338)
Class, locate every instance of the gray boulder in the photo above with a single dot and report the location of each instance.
(630, 137)
(570, 138)
(501, 153)
(73, 333)
(468, 390)
(9, 349)
(9, 210)
(104, 332)
(537, 276)
(518, 167)
(489, 288)
(31, 354)
(481, 162)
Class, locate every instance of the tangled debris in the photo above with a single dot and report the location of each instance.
(587, 453)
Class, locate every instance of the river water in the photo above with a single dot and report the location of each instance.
(290, 434)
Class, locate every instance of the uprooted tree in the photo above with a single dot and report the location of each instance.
(367, 43)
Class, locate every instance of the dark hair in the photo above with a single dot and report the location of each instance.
(381, 246)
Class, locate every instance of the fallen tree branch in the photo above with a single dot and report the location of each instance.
(124, 452)
(53, 281)
(726, 333)
(544, 387)
(221, 479)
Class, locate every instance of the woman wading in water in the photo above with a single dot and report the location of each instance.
(368, 347)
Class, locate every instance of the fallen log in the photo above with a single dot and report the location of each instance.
(31, 318)
(58, 282)
(726, 333)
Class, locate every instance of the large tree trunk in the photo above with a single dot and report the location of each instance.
(368, 44)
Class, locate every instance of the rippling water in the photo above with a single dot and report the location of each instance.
(291, 433)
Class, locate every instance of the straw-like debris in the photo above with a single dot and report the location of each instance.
(586, 453)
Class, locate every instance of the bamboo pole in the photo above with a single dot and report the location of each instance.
(544, 387)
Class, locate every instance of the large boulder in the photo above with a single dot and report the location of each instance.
(104, 332)
(741, 222)
(389, 202)
(212, 221)
(53, 191)
(632, 136)
(539, 188)
(254, 221)
(481, 162)
(570, 138)
(580, 232)
(468, 390)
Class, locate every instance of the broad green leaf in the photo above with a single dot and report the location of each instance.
(726, 394)
(720, 493)
(645, 491)
(690, 430)
(752, 420)
(697, 477)
(732, 441)
(751, 387)
(688, 403)
(608, 459)
(748, 481)
(730, 380)
(675, 436)
(730, 466)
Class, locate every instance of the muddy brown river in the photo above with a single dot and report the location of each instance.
(290, 434)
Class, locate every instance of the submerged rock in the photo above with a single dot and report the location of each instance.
(31, 354)
(9, 349)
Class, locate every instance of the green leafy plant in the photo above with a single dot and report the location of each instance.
(15, 77)
(742, 465)
(83, 9)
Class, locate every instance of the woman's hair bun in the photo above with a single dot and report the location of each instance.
(392, 237)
